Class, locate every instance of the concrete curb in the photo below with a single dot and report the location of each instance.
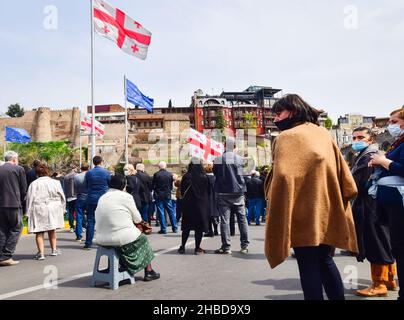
(25, 230)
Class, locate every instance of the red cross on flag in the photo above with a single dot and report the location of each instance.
(86, 124)
(115, 25)
(203, 147)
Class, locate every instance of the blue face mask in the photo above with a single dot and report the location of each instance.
(395, 130)
(359, 146)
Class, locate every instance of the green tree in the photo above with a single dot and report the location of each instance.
(328, 123)
(58, 155)
(250, 122)
(220, 122)
(15, 111)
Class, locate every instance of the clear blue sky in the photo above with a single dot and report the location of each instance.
(300, 46)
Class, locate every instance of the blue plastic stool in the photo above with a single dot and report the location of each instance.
(111, 275)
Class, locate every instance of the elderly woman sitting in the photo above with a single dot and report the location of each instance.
(116, 216)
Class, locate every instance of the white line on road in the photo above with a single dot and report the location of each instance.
(78, 276)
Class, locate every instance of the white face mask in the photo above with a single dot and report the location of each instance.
(395, 130)
(126, 172)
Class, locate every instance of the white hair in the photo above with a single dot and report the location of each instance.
(10, 155)
(162, 165)
(255, 173)
(140, 167)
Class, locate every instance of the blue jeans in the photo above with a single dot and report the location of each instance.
(90, 224)
(160, 206)
(317, 270)
(227, 205)
(144, 212)
(80, 209)
(255, 209)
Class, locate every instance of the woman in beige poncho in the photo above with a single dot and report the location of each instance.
(308, 190)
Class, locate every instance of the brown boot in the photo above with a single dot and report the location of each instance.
(391, 285)
(375, 290)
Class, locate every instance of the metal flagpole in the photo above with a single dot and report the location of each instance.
(92, 87)
(126, 125)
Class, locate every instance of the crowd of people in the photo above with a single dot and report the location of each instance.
(312, 199)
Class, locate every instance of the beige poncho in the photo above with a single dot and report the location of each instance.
(308, 191)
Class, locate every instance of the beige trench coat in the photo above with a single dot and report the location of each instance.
(46, 205)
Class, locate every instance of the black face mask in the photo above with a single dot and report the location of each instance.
(285, 124)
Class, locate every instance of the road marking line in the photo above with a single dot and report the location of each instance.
(78, 276)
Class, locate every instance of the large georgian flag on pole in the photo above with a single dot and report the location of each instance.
(86, 123)
(115, 25)
(203, 147)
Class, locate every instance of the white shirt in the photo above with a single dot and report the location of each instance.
(115, 216)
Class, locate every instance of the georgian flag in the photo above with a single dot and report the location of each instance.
(86, 124)
(203, 147)
(114, 24)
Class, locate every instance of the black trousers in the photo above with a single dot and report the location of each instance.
(10, 231)
(395, 214)
(317, 271)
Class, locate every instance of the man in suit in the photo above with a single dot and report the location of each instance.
(162, 186)
(97, 180)
(13, 186)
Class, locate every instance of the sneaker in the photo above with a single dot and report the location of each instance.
(162, 232)
(9, 262)
(87, 248)
(199, 251)
(181, 250)
(244, 251)
(71, 230)
(39, 256)
(56, 252)
(223, 251)
(79, 239)
(151, 275)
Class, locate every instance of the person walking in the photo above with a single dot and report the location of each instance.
(309, 190)
(213, 211)
(373, 236)
(71, 196)
(389, 191)
(46, 205)
(133, 186)
(97, 180)
(230, 188)
(162, 186)
(195, 191)
(81, 203)
(145, 193)
(255, 196)
(13, 186)
(31, 175)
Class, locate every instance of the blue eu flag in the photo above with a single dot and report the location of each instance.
(137, 98)
(17, 135)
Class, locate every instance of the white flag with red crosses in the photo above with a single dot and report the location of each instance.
(203, 147)
(114, 24)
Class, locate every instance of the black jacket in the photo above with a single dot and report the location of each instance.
(13, 186)
(255, 188)
(146, 186)
(372, 235)
(31, 176)
(162, 185)
(134, 187)
(228, 170)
